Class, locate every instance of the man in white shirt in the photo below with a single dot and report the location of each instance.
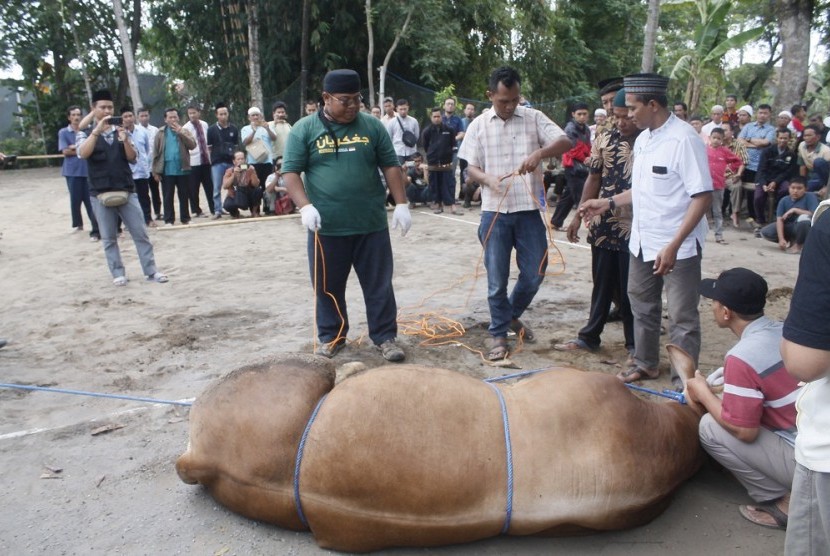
(500, 147)
(200, 173)
(717, 121)
(405, 145)
(671, 193)
(155, 193)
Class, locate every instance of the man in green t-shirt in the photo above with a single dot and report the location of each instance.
(342, 204)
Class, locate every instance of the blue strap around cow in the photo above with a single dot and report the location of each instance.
(299, 460)
(509, 450)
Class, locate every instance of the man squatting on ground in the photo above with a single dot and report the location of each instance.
(109, 151)
(671, 191)
(499, 145)
(751, 432)
(342, 204)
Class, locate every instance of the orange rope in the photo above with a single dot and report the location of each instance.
(318, 247)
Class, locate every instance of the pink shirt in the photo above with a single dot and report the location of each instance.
(720, 159)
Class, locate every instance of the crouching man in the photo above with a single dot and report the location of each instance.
(109, 150)
(751, 432)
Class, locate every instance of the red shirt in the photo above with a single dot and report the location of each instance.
(720, 159)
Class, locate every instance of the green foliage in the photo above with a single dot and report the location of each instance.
(22, 146)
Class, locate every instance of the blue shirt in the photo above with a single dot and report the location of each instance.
(756, 131)
(141, 142)
(453, 122)
(72, 165)
(172, 157)
(808, 202)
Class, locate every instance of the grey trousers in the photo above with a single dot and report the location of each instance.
(808, 526)
(133, 219)
(765, 467)
(645, 292)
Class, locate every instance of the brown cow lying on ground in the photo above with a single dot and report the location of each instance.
(408, 455)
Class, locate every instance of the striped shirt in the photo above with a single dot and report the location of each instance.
(758, 391)
(499, 146)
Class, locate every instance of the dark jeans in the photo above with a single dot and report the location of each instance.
(171, 185)
(442, 187)
(371, 257)
(609, 270)
(142, 190)
(263, 170)
(817, 178)
(795, 230)
(79, 195)
(417, 193)
(200, 175)
(569, 199)
(763, 198)
(155, 195)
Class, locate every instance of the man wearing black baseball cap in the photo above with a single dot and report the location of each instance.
(751, 432)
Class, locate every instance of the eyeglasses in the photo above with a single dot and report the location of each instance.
(350, 101)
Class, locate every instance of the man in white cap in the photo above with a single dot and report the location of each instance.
(600, 116)
(342, 204)
(671, 192)
(257, 140)
(717, 121)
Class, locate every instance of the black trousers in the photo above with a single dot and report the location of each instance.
(170, 185)
(142, 190)
(569, 199)
(200, 175)
(155, 195)
(610, 273)
(263, 170)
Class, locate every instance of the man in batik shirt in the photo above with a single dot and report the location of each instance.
(610, 166)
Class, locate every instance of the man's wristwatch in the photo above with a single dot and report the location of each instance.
(611, 204)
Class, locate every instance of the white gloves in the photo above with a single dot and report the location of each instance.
(310, 217)
(400, 218)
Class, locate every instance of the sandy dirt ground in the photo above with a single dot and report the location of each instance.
(239, 293)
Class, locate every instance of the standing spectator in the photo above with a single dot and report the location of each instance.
(376, 111)
(607, 93)
(744, 116)
(716, 122)
(342, 204)
(222, 140)
(696, 121)
(600, 116)
(793, 216)
(576, 172)
(200, 166)
(755, 137)
(109, 151)
(438, 141)
(796, 125)
(730, 113)
(171, 166)
(778, 164)
(242, 187)
(280, 128)
(141, 166)
(610, 165)
(404, 131)
(751, 431)
(814, 161)
(257, 138)
(74, 170)
(721, 161)
(311, 107)
(806, 353)
(469, 116)
(155, 193)
(681, 110)
(668, 229)
(388, 110)
(510, 216)
(734, 183)
(823, 130)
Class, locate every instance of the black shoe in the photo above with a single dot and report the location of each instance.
(3, 343)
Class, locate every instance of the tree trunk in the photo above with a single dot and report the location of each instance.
(370, 56)
(392, 48)
(304, 57)
(254, 73)
(650, 35)
(795, 17)
(67, 18)
(127, 51)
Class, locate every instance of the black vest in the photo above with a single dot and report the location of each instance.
(108, 169)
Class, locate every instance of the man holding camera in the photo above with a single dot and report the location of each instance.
(109, 150)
